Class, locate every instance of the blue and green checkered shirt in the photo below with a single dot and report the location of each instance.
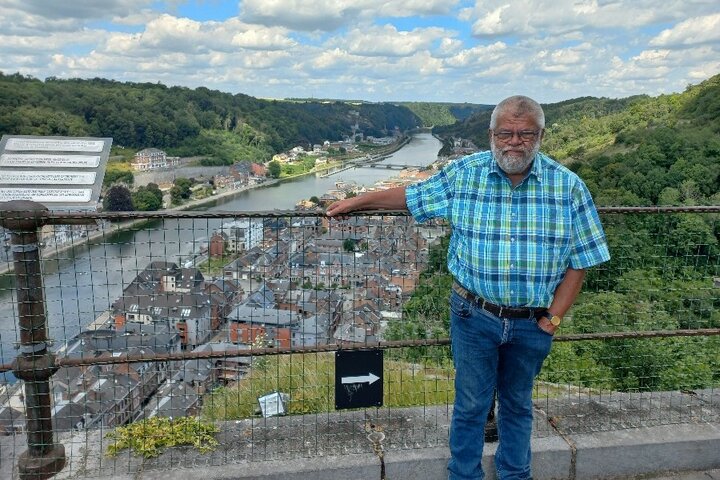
(512, 246)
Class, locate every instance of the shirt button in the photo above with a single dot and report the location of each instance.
(512, 265)
(512, 239)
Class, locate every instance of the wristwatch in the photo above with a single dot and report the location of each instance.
(554, 319)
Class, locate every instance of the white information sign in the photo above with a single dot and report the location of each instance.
(40, 160)
(65, 173)
(46, 194)
(55, 145)
(46, 177)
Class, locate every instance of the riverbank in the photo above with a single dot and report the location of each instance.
(110, 229)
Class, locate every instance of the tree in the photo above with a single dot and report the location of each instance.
(349, 245)
(183, 187)
(118, 173)
(144, 199)
(274, 169)
(155, 189)
(315, 200)
(118, 199)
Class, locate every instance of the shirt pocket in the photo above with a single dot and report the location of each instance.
(555, 234)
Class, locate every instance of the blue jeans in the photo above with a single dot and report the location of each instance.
(490, 352)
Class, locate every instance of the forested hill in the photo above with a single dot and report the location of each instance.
(633, 151)
(442, 114)
(181, 120)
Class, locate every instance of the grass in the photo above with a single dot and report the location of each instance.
(310, 381)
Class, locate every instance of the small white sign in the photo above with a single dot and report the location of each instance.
(39, 160)
(46, 194)
(273, 404)
(54, 145)
(15, 177)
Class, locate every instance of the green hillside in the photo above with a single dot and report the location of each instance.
(184, 121)
(442, 114)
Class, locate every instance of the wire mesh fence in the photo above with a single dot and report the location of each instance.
(236, 320)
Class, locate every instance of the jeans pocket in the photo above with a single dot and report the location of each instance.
(537, 324)
(459, 306)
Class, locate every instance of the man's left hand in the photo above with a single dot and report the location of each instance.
(546, 326)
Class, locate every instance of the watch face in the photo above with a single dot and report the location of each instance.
(555, 320)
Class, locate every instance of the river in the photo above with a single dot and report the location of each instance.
(83, 283)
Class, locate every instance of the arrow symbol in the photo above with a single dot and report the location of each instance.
(370, 378)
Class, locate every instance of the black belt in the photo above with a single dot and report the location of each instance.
(497, 310)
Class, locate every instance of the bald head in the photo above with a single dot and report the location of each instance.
(518, 106)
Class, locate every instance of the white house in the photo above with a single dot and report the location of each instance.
(243, 234)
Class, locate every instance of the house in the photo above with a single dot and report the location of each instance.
(166, 293)
(243, 234)
(217, 244)
(258, 171)
(111, 395)
(151, 159)
(312, 331)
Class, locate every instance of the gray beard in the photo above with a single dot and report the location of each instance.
(513, 165)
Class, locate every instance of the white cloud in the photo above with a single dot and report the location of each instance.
(438, 50)
(173, 34)
(529, 17)
(263, 39)
(20, 23)
(690, 32)
(449, 46)
(78, 9)
(704, 71)
(492, 23)
(477, 56)
(331, 58)
(388, 41)
(329, 15)
(564, 60)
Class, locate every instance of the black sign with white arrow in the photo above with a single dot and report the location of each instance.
(358, 379)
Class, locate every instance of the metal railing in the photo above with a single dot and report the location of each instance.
(120, 317)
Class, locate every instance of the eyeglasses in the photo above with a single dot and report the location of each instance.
(524, 135)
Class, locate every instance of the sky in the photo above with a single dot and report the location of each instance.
(374, 50)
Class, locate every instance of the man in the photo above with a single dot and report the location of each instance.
(524, 229)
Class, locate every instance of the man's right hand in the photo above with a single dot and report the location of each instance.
(390, 199)
(340, 208)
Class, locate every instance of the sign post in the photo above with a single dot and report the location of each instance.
(37, 175)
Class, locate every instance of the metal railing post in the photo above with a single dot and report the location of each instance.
(35, 364)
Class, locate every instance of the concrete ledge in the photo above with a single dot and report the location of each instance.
(602, 455)
(348, 467)
(586, 438)
(622, 453)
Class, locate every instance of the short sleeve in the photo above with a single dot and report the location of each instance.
(432, 198)
(589, 245)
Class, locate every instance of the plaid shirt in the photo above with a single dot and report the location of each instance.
(512, 246)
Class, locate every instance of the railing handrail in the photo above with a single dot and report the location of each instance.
(60, 218)
(334, 347)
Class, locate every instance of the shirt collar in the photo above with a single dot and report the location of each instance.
(536, 169)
